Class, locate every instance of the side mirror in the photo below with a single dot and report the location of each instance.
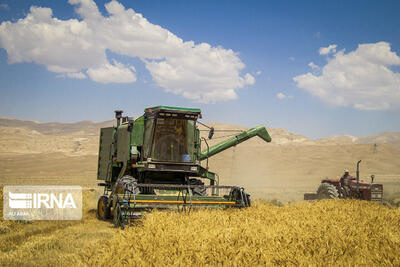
(372, 178)
(211, 133)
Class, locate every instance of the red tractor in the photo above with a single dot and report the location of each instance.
(348, 187)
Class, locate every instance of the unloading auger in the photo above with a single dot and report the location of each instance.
(154, 161)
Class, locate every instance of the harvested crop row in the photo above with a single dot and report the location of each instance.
(333, 232)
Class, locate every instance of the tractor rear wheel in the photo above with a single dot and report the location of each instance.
(326, 191)
(103, 209)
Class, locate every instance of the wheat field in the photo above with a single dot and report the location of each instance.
(331, 232)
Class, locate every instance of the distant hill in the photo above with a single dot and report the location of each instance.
(31, 137)
(81, 138)
(391, 138)
(279, 136)
(66, 153)
(57, 128)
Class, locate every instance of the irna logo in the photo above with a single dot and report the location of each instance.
(42, 203)
(40, 200)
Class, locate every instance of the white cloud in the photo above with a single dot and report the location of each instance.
(281, 95)
(197, 71)
(60, 45)
(292, 59)
(313, 66)
(76, 75)
(73, 75)
(202, 73)
(249, 79)
(108, 73)
(362, 79)
(328, 50)
(258, 72)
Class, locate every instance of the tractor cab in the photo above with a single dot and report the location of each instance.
(170, 134)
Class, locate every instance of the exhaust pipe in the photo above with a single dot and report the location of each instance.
(118, 116)
(358, 172)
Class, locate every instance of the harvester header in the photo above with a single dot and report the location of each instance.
(155, 161)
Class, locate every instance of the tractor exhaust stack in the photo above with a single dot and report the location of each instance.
(358, 172)
(118, 116)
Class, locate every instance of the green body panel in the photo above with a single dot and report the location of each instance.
(123, 143)
(195, 110)
(125, 149)
(104, 167)
(137, 132)
(197, 147)
(237, 139)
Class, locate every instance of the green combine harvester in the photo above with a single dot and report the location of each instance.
(154, 161)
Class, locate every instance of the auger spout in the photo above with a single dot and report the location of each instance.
(260, 131)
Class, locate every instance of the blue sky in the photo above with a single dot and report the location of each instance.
(352, 87)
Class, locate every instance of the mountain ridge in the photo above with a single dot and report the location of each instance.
(280, 136)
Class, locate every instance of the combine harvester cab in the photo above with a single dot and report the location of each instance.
(154, 161)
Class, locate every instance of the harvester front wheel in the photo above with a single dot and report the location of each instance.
(103, 209)
(326, 191)
(119, 220)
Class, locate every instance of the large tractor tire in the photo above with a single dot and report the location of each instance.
(126, 184)
(103, 209)
(326, 191)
